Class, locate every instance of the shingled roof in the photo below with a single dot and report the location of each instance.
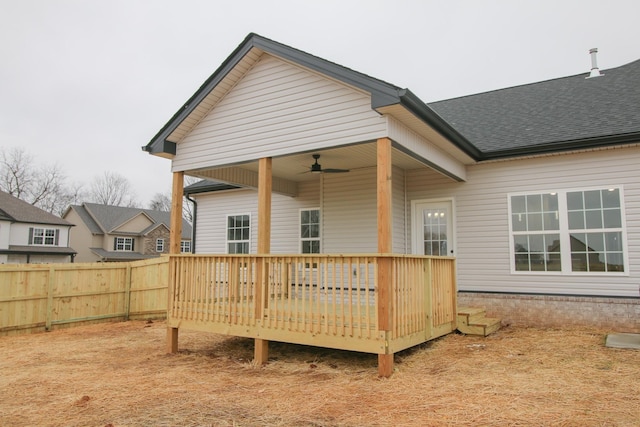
(16, 210)
(562, 114)
(105, 219)
(554, 115)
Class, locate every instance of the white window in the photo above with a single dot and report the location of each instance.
(310, 231)
(159, 245)
(185, 246)
(123, 244)
(568, 231)
(44, 236)
(238, 234)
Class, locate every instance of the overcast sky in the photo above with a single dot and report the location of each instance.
(85, 84)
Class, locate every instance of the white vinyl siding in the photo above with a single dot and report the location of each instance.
(482, 222)
(349, 212)
(285, 237)
(401, 240)
(275, 109)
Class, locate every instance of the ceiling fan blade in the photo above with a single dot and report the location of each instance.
(328, 170)
(317, 168)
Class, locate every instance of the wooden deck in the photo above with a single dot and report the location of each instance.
(325, 300)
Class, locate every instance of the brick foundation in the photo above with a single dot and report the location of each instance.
(616, 314)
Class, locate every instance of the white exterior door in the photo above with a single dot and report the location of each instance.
(432, 228)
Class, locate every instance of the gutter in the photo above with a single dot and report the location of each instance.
(193, 224)
(563, 146)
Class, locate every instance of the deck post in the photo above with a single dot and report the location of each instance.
(175, 236)
(265, 184)
(385, 246)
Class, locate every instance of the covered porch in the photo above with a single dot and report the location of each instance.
(378, 303)
(258, 123)
(334, 301)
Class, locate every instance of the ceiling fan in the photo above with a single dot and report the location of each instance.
(317, 168)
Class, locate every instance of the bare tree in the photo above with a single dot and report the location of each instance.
(17, 172)
(42, 186)
(162, 201)
(111, 188)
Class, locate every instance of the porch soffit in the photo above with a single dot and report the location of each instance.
(291, 169)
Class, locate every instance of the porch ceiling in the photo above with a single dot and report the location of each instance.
(295, 167)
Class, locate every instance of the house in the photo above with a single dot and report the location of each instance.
(105, 233)
(30, 235)
(534, 189)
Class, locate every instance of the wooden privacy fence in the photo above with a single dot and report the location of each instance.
(38, 297)
(323, 300)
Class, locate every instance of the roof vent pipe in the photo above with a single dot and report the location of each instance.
(595, 71)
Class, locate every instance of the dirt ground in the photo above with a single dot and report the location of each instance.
(117, 374)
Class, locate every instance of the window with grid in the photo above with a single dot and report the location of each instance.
(185, 246)
(238, 234)
(595, 230)
(43, 236)
(536, 232)
(159, 245)
(123, 244)
(310, 231)
(568, 231)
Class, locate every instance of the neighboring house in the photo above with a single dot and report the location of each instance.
(535, 189)
(30, 235)
(115, 233)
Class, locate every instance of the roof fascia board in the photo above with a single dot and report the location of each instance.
(212, 188)
(158, 144)
(421, 110)
(564, 146)
(381, 93)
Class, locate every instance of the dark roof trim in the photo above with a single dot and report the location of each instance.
(382, 93)
(563, 146)
(414, 104)
(207, 188)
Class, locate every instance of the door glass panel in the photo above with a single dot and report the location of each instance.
(435, 231)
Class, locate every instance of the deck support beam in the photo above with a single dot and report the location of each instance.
(385, 246)
(265, 186)
(175, 237)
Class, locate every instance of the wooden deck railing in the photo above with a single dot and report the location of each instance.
(325, 300)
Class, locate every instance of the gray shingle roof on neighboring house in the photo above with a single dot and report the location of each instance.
(120, 255)
(17, 210)
(563, 113)
(104, 219)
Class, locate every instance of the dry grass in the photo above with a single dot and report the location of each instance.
(118, 375)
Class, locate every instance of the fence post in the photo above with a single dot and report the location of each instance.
(127, 291)
(50, 286)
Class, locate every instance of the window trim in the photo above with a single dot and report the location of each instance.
(160, 245)
(226, 232)
(318, 239)
(565, 234)
(184, 243)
